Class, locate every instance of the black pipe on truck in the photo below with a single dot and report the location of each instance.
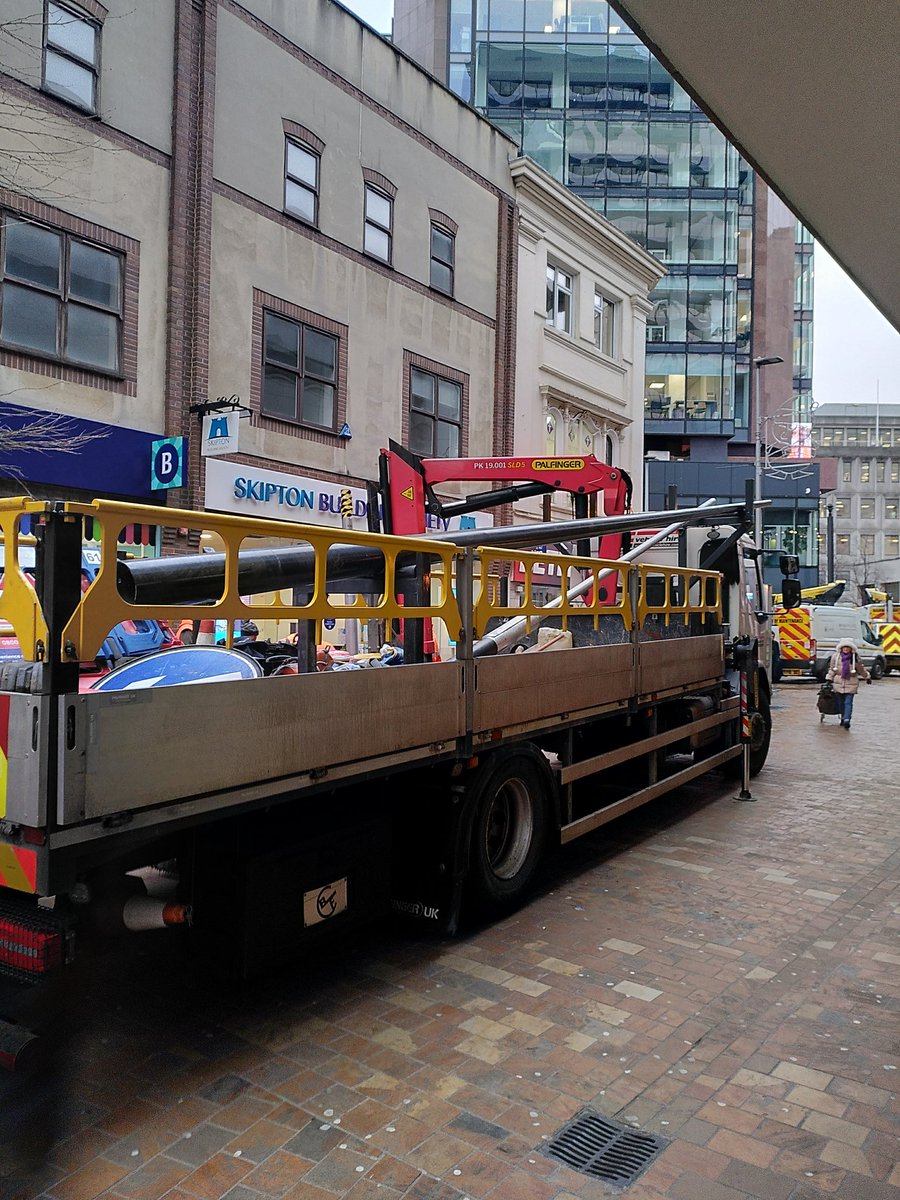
(200, 578)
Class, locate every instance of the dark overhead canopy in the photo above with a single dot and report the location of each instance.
(810, 92)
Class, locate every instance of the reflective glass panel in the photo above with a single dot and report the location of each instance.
(705, 316)
(422, 391)
(629, 215)
(588, 16)
(447, 440)
(670, 145)
(628, 78)
(377, 243)
(662, 86)
(664, 384)
(460, 27)
(318, 403)
(461, 81)
(300, 201)
(667, 321)
(709, 386)
(92, 337)
(668, 230)
(707, 240)
(507, 15)
(542, 140)
(585, 146)
(282, 341)
(449, 395)
(279, 397)
(302, 164)
(441, 277)
(94, 275)
(545, 76)
(707, 155)
(70, 33)
(29, 319)
(505, 87)
(32, 254)
(421, 434)
(742, 330)
(542, 16)
(69, 80)
(587, 77)
(378, 208)
(626, 152)
(319, 354)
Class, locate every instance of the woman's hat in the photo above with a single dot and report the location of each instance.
(848, 642)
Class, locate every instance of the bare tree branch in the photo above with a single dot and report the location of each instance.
(46, 433)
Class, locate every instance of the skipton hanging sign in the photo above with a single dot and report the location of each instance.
(221, 433)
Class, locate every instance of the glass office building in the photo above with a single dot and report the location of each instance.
(580, 93)
(583, 96)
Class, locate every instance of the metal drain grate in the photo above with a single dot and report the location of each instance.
(604, 1149)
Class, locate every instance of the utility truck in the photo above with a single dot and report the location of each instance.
(271, 812)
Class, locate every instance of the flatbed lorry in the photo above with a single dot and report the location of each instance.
(282, 809)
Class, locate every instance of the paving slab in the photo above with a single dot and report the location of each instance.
(721, 973)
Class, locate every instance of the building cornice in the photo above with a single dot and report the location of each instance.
(532, 182)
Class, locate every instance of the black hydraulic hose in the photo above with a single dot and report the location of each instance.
(200, 578)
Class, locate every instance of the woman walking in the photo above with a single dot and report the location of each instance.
(845, 671)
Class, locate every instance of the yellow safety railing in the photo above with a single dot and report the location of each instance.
(102, 607)
(685, 593)
(18, 603)
(700, 592)
(608, 594)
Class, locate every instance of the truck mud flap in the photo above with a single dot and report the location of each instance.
(268, 890)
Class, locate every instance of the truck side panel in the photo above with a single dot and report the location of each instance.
(516, 689)
(135, 749)
(23, 758)
(676, 663)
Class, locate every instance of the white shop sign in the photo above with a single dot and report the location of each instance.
(253, 492)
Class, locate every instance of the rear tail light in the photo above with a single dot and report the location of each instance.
(812, 647)
(30, 944)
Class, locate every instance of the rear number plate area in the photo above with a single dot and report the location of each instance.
(321, 904)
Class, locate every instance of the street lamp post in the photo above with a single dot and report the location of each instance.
(769, 360)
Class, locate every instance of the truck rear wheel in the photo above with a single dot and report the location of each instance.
(509, 830)
(760, 735)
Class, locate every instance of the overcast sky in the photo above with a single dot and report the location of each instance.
(856, 353)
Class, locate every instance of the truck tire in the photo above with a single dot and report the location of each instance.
(760, 735)
(877, 668)
(509, 830)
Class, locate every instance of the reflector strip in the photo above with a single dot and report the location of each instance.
(18, 868)
(745, 714)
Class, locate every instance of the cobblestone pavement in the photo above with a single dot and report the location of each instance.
(721, 973)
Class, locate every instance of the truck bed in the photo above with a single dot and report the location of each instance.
(234, 742)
